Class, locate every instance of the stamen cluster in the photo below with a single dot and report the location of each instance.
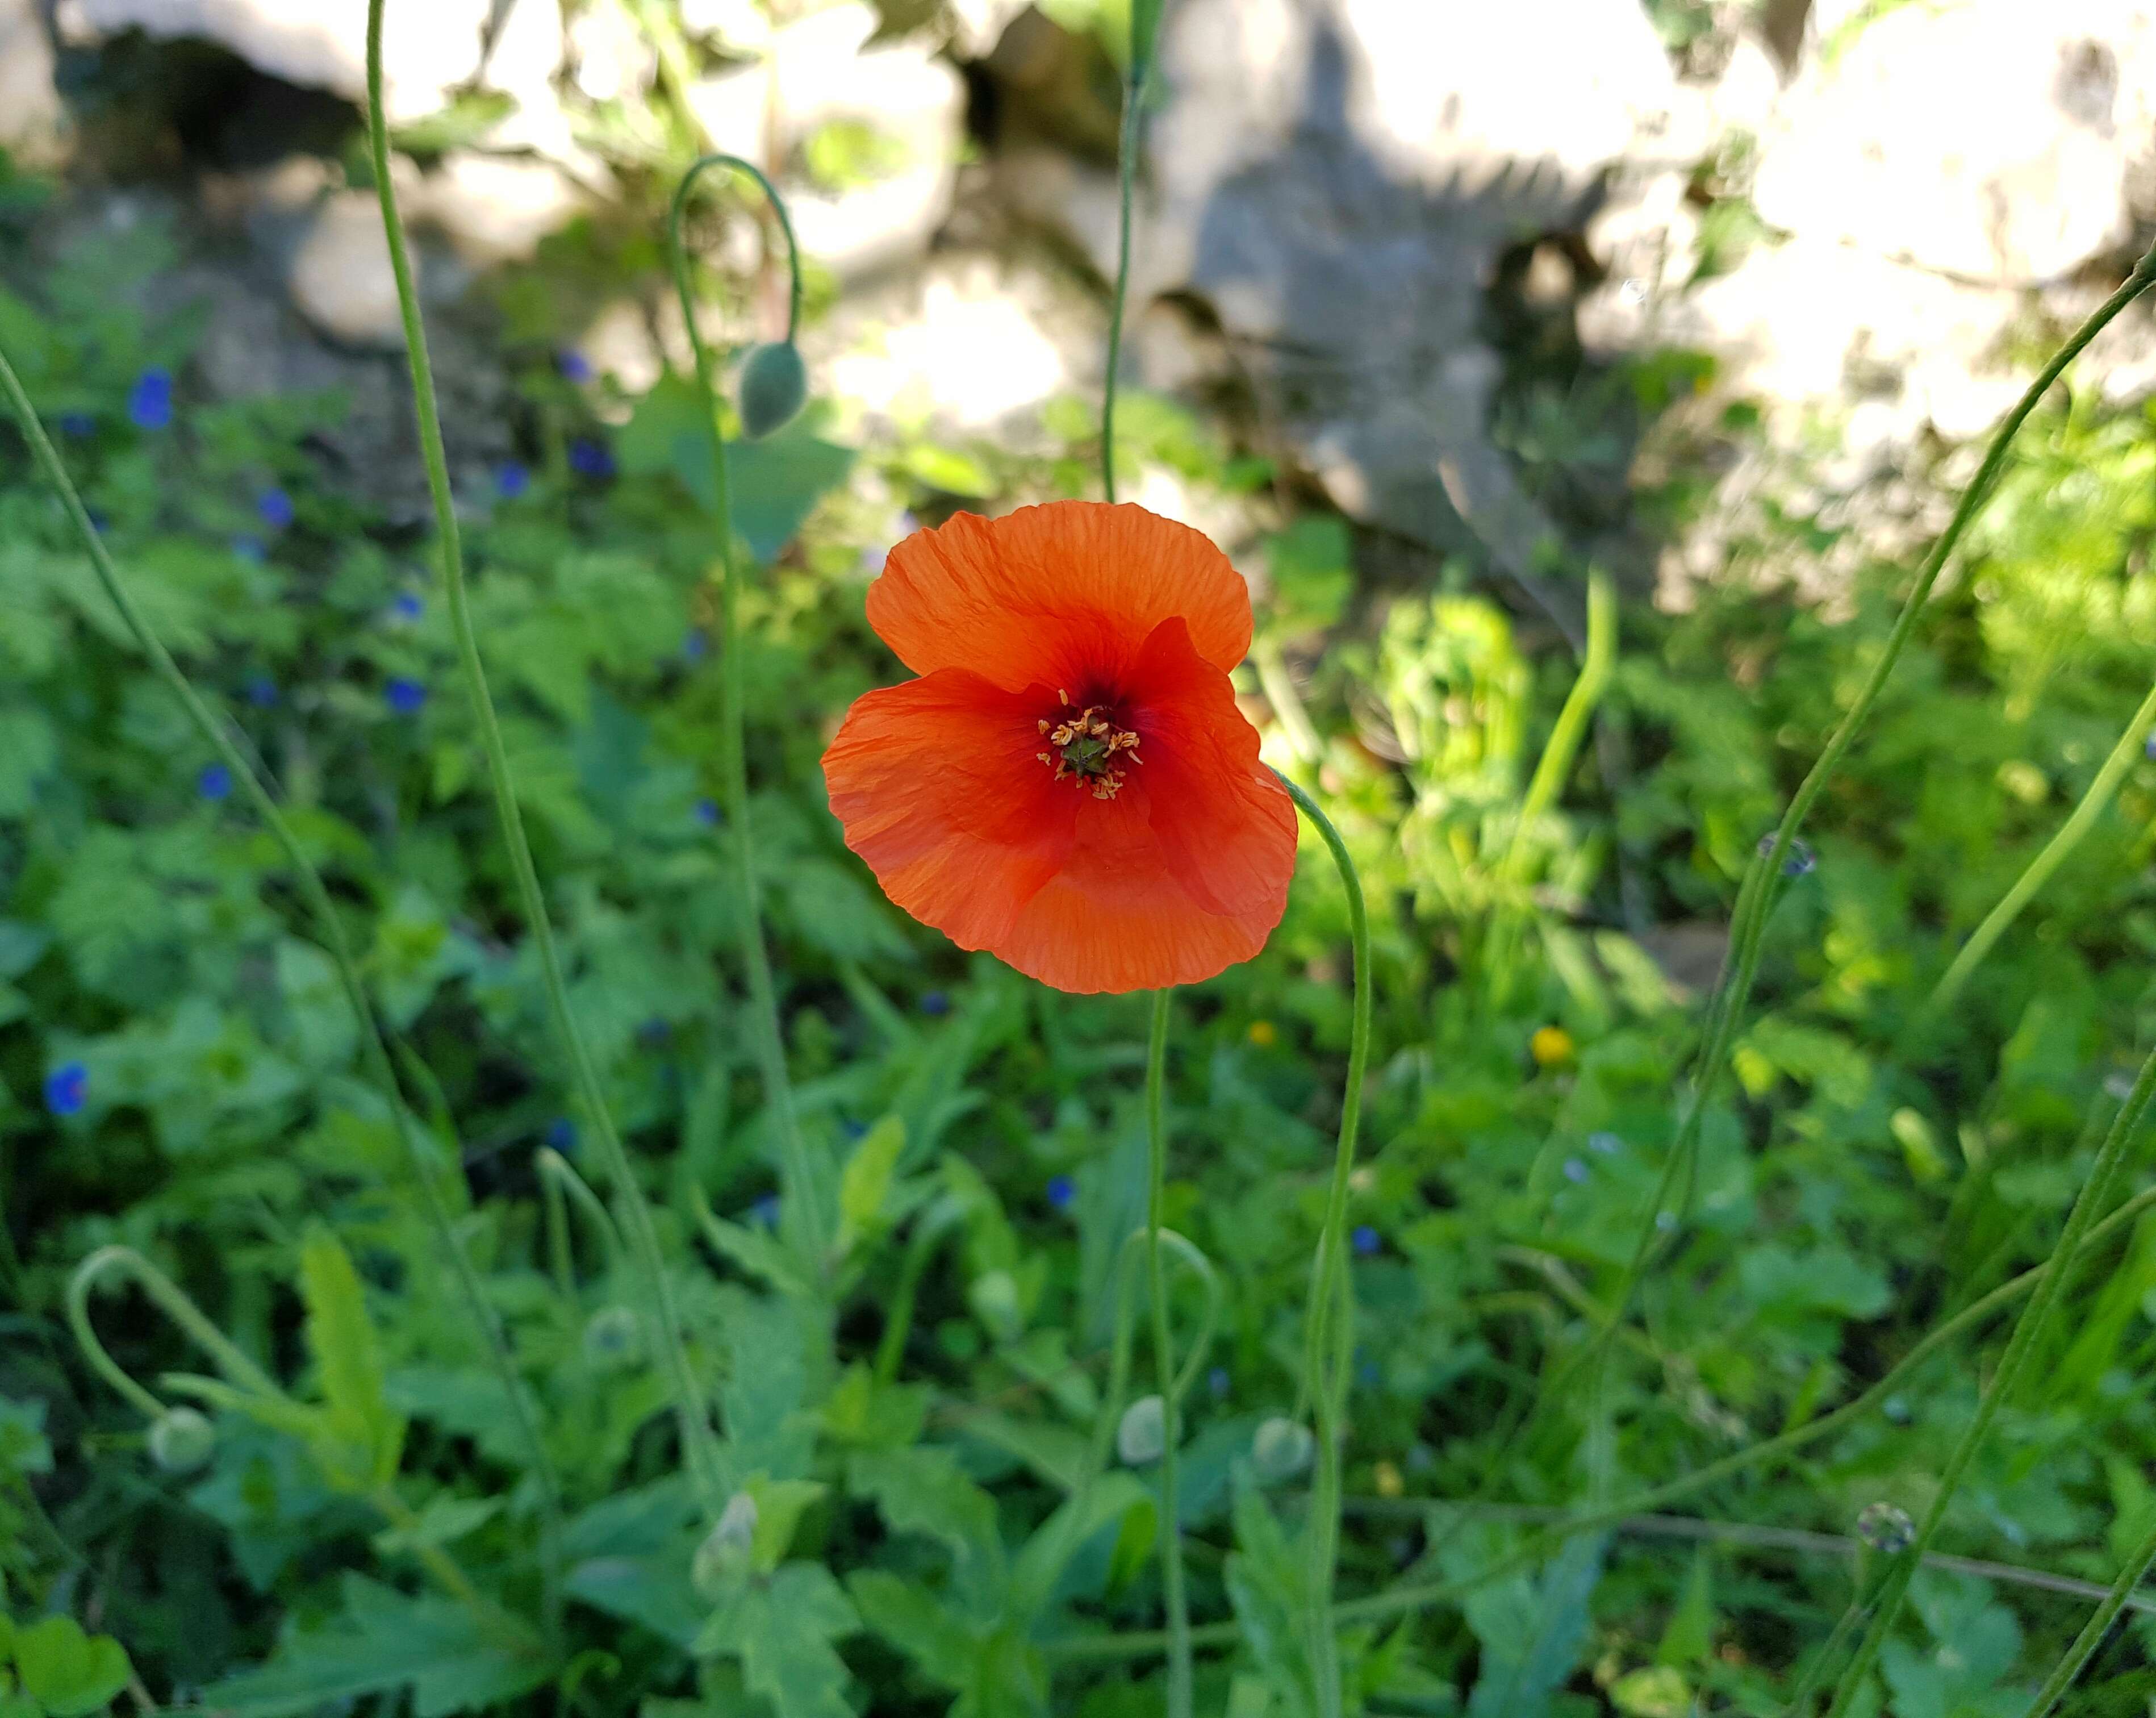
(1086, 747)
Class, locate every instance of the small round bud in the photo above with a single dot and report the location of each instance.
(994, 1299)
(612, 1338)
(1281, 1449)
(181, 1440)
(774, 386)
(1886, 1527)
(723, 1560)
(1141, 1433)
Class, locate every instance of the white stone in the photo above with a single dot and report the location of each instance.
(428, 51)
(1991, 139)
(496, 209)
(341, 277)
(610, 58)
(31, 115)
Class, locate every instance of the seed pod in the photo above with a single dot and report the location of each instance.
(612, 1338)
(774, 386)
(1886, 1528)
(181, 1440)
(1281, 1449)
(1141, 1433)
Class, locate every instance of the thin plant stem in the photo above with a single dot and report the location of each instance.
(177, 1304)
(374, 1052)
(2029, 1331)
(2123, 1593)
(560, 1178)
(2054, 854)
(1164, 1360)
(1329, 1319)
(802, 1211)
(699, 1448)
(1756, 896)
(1800, 1697)
(1416, 1596)
(1126, 163)
(1551, 770)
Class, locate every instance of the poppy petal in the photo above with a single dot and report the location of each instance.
(1225, 824)
(1057, 595)
(938, 788)
(1116, 916)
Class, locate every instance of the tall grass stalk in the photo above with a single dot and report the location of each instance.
(698, 1447)
(420, 1169)
(1179, 1671)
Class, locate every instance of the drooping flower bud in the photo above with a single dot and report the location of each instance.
(1141, 1433)
(1281, 1449)
(725, 1557)
(774, 386)
(181, 1440)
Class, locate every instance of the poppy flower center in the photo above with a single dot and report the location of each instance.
(1089, 748)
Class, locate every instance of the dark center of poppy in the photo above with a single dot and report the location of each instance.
(1089, 748)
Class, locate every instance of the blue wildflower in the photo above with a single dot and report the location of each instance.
(67, 1088)
(78, 425)
(1368, 1372)
(655, 1031)
(1217, 1381)
(1366, 1240)
(590, 459)
(150, 401)
(707, 813)
(407, 607)
(851, 1129)
(261, 690)
(1666, 1220)
(215, 782)
(561, 1134)
(1609, 1144)
(1061, 1190)
(695, 646)
(936, 1004)
(250, 549)
(765, 1210)
(510, 480)
(98, 521)
(573, 365)
(405, 698)
(275, 507)
(1575, 1170)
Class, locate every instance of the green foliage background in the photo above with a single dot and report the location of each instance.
(917, 1446)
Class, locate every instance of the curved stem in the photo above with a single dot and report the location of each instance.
(2028, 1331)
(177, 1304)
(1400, 1601)
(921, 1246)
(561, 1177)
(2077, 1655)
(1330, 1292)
(698, 1447)
(374, 1052)
(801, 1209)
(1755, 899)
(2054, 854)
(1163, 1358)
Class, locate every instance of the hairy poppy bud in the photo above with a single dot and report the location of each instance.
(181, 1440)
(774, 385)
(1141, 1434)
(722, 1560)
(1281, 1449)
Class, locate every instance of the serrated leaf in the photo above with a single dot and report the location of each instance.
(1532, 1633)
(779, 1506)
(781, 1630)
(918, 1625)
(924, 1490)
(449, 1658)
(365, 1438)
(66, 1671)
(1112, 1500)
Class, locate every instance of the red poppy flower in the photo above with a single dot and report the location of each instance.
(1069, 784)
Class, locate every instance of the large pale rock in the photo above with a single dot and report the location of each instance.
(428, 51)
(496, 209)
(1992, 139)
(341, 279)
(31, 115)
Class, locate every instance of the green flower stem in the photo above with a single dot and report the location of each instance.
(698, 1448)
(1755, 899)
(374, 1053)
(1164, 1360)
(1551, 770)
(1145, 18)
(2054, 854)
(177, 1304)
(1328, 1320)
(801, 1209)
(1403, 1600)
(2122, 1593)
(1800, 1697)
(560, 1178)
(2028, 1332)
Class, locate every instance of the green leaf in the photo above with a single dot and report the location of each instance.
(322, 1027)
(66, 1671)
(781, 1630)
(362, 1437)
(779, 1506)
(946, 469)
(924, 1490)
(27, 751)
(1690, 1635)
(1264, 1582)
(1112, 1500)
(1310, 564)
(866, 1181)
(862, 1411)
(912, 1619)
(23, 1447)
(451, 1660)
(1533, 1634)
